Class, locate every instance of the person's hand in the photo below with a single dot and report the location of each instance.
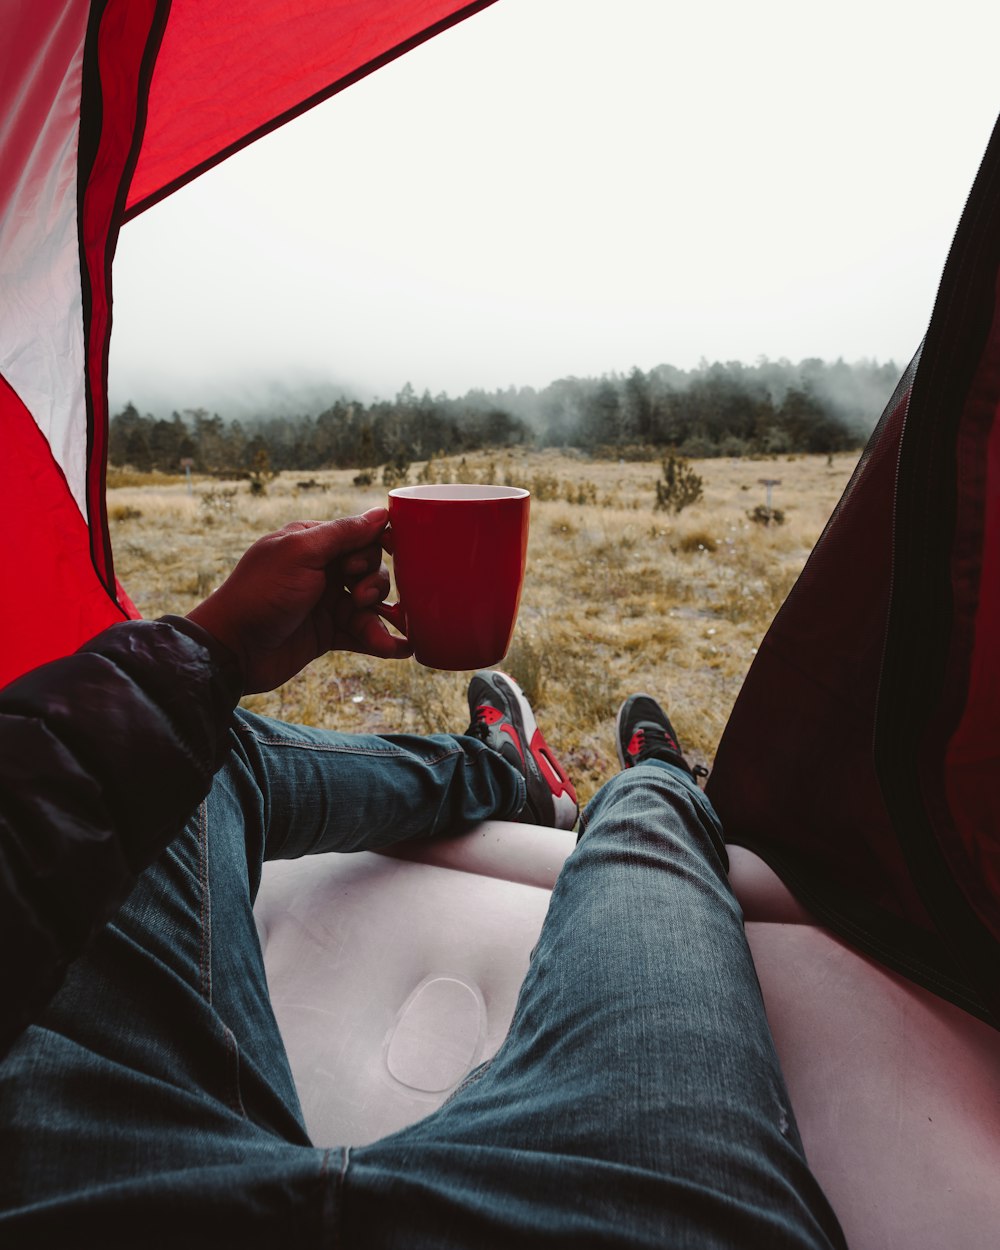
(309, 588)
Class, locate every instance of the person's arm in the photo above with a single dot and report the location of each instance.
(105, 753)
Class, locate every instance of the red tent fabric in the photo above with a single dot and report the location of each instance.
(107, 106)
(863, 754)
(224, 74)
(862, 758)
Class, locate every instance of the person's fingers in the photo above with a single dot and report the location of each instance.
(360, 564)
(340, 606)
(371, 589)
(370, 636)
(292, 526)
(321, 544)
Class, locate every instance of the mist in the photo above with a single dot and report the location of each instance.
(241, 398)
(550, 191)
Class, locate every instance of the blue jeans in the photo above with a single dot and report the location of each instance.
(636, 1101)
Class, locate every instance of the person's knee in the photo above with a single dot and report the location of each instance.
(644, 786)
(658, 802)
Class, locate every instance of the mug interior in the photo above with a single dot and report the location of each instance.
(457, 491)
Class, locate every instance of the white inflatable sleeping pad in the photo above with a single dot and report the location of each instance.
(392, 976)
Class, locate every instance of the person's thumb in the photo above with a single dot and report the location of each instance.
(330, 539)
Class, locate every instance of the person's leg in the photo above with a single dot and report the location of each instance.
(638, 1099)
(293, 790)
(305, 790)
(133, 1112)
(153, 1101)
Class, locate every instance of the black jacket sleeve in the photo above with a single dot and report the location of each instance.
(103, 756)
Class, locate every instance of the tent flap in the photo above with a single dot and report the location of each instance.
(107, 107)
(862, 755)
(220, 84)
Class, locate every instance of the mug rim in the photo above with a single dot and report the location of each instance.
(459, 492)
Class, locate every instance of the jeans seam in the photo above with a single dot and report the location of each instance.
(236, 1095)
(475, 1076)
(338, 1227)
(349, 750)
(206, 905)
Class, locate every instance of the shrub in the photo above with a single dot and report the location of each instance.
(218, 499)
(365, 478)
(698, 540)
(763, 515)
(433, 473)
(544, 486)
(261, 472)
(580, 493)
(679, 487)
(396, 472)
(122, 512)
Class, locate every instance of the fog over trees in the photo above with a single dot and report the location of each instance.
(729, 409)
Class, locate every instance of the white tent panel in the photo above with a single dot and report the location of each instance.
(42, 351)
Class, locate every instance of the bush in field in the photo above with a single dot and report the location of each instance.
(697, 540)
(434, 472)
(679, 487)
(123, 512)
(763, 515)
(218, 499)
(544, 486)
(582, 493)
(396, 472)
(261, 472)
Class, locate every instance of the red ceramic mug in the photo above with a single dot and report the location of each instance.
(458, 555)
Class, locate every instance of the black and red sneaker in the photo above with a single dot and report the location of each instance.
(503, 719)
(644, 732)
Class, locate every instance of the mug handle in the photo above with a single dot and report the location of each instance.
(395, 614)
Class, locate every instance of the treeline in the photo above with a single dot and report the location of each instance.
(729, 409)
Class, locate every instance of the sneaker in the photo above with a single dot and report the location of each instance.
(644, 732)
(503, 719)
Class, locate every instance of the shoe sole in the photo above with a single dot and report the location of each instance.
(565, 807)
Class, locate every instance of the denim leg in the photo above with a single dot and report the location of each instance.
(152, 1103)
(637, 1099)
(132, 1112)
(305, 790)
(292, 790)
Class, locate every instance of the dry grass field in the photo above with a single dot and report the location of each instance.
(618, 598)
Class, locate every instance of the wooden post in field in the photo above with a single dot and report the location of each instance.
(769, 482)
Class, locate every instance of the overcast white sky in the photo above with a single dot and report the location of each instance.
(571, 187)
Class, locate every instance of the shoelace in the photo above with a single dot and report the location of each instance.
(655, 742)
(479, 727)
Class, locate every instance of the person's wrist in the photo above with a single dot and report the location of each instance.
(222, 644)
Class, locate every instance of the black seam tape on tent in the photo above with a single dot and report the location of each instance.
(91, 122)
(92, 117)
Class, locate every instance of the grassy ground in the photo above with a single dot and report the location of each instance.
(618, 598)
